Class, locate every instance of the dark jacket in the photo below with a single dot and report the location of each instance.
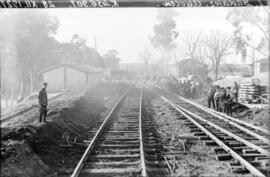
(228, 98)
(223, 95)
(211, 93)
(42, 97)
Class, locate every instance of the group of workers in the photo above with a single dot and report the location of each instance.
(185, 88)
(222, 98)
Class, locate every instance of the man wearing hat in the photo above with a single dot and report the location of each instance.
(43, 102)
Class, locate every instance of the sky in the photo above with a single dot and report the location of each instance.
(127, 30)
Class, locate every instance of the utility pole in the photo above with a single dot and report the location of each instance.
(253, 60)
(176, 68)
(95, 43)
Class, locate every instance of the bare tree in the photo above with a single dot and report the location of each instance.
(192, 43)
(203, 56)
(219, 46)
(146, 55)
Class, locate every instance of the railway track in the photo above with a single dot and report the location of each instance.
(246, 126)
(125, 144)
(247, 148)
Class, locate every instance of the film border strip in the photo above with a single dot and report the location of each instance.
(128, 3)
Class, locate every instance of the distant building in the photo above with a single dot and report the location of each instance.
(261, 71)
(186, 67)
(231, 70)
(71, 76)
(136, 68)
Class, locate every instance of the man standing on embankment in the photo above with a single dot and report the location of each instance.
(43, 102)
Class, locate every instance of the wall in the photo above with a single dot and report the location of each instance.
(94, 79)
(76, 79)
(257, 69)
(190, 68)
(261, 71)
(55, 79)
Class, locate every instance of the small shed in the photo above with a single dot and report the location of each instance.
(71, 76)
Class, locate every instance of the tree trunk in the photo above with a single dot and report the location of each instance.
(31, 82)
(5, 98)
(253, 62)
(165, 67)
(147, 71)
(11, 98)
(20, 97)
(207, 72)
(216, 73)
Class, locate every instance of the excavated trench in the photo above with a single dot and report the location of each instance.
(52, 148)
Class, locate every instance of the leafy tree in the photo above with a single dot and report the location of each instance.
(28, 46)
(165, 34)
(111, 59)
(29, 35)
(77, 51)
(244, 19)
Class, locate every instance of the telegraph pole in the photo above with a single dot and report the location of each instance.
(96, 43)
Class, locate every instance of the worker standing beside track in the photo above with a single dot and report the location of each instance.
(222, 99)
(43, 102)
(193, 90)
(217, 98)
(210, 97)
(228, 101)
(235, 91)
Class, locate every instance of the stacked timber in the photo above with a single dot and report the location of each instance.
(250, 92)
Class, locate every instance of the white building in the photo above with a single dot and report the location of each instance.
(71, 76)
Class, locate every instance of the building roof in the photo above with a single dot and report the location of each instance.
(264, 60)
(188, 60)
(83, 68)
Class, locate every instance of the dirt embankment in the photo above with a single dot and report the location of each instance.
(30, 149)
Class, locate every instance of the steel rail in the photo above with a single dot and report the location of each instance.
(241, 122)
(259, 149)
(143, 166)
(79, 166)
(219, 115)
(214, 112)
(265, 140)
(250, 167)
